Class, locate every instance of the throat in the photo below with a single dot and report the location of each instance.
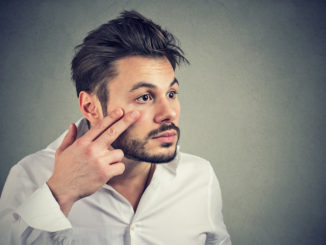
(133, 189)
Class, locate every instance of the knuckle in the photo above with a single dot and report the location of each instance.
(111, 131)
(121, 168)
(90, 151)
(116, 156)
(119, 154)
(116, 169)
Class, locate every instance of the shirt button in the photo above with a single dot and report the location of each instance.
(14, 217)
(133, 227)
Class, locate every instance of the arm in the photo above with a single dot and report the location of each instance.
(81, 167)
(28, 215)
(219, 234)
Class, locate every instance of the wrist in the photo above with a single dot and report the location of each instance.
(64, 199)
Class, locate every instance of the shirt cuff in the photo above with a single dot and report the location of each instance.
(41, 211)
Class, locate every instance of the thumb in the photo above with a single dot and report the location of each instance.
(69, 138)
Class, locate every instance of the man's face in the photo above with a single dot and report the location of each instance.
(149, 86)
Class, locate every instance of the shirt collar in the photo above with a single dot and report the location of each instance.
(173, 164)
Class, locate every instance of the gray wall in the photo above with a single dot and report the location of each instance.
(252, 101)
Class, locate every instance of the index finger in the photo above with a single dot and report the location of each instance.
(106, 122)
(113, 132)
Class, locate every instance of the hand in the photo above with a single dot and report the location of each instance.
(84, 165)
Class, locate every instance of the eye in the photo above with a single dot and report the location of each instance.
(172, 94)
(144, 98)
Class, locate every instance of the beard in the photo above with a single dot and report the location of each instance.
(135, 148)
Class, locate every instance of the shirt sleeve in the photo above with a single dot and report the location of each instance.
(31, 215)
(219, 234)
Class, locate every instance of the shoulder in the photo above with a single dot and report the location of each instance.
(192, 158)
(36, 167)
(26, 176)
(195, 169)
(194, 162)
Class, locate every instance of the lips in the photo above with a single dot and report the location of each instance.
(166, 137)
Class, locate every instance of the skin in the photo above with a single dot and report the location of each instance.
(142, 97)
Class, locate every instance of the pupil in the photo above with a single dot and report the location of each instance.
(145, 97)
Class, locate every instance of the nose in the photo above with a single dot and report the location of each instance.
(166, 111)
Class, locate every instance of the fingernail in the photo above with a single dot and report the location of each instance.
(117, 112)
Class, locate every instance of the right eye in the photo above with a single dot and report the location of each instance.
(144, 98)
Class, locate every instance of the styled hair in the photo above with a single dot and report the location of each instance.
(131, 34)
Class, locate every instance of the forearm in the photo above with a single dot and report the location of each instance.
(38, 220)
(14, 231)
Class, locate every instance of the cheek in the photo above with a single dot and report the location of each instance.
(177, 111)
(146, 115)
(142, 125)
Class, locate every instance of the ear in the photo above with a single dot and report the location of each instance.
(90, 107)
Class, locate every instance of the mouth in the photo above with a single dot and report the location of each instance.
(166, 137)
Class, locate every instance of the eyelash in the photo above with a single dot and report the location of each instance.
(138, 99)
(141, 100)
(174, 92)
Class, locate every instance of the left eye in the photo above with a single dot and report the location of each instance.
(172, 94)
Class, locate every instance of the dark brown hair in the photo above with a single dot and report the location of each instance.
(131, 34)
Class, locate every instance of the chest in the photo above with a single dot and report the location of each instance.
(164, 216)
(170, 211)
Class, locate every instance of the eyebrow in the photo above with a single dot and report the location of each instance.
(149, 85)
(174, 81)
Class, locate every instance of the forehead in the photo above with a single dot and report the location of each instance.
(135, 69)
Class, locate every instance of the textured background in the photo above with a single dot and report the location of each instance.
(253, 99)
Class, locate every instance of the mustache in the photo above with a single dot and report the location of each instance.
(163, 128)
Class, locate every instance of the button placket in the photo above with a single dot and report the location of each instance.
(133, 227)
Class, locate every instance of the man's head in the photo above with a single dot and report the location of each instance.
(129, 63)
(131, 34)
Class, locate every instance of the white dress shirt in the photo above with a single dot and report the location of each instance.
(182, 205)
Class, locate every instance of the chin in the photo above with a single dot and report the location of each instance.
(166, 145)
(165, 154)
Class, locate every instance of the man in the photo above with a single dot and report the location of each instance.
(118, 176)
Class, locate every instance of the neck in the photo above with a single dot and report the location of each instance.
(134, 180)
(135, 174)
